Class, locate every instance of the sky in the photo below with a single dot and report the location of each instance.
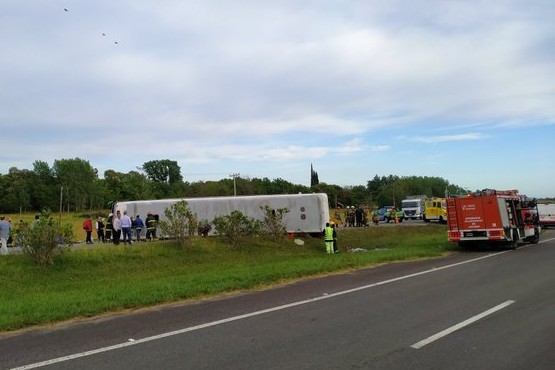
(463, 90)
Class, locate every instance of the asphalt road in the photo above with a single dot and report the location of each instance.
(471, 310)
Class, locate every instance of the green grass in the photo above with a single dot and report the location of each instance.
(90, 281)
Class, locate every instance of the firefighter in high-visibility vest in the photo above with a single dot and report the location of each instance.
(151, 224)
(328, 238)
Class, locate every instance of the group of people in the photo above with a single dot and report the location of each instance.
(120, 226)
(355, 216)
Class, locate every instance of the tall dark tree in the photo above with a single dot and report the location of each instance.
(163, 171)
(45, 190)
(313, 176)
(15, 190)
(77, 177)
(166, 179)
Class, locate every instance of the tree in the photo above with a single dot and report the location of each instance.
(182, 223)
(77, 177)
(330, 190)
(15, 193)
(165, 176)
(313, 176)
(45, 189)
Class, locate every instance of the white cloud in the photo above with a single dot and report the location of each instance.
(444, 138)
(263, 82)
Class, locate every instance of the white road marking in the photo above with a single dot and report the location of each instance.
(245, 316)
(461, 325)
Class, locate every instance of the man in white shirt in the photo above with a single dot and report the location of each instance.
(126, 228)
(116, 225)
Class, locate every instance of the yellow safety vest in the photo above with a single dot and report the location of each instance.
(328, 232)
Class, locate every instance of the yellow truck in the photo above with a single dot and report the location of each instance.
(435, 209)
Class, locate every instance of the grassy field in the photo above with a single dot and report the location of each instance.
(75, 219)
(105, 278)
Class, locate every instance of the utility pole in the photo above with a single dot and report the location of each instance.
(61, 204)
(234, 176)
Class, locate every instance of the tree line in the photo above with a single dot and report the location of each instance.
(74, 185)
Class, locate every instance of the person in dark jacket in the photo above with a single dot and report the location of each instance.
(151, 225)
(108, 227)
(100, 229)
(138, 225)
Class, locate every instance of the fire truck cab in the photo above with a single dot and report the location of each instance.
(493, 217)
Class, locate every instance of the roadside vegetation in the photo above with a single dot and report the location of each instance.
(102, 278)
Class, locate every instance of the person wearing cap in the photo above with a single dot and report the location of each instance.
(351, 216)
(5, 228)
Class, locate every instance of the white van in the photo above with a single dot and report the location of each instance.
(546, 214)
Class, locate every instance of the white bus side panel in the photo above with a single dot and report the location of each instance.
(307, 212)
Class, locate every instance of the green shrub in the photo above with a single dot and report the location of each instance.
(182, 224)
(272, 227)
(235, 226)
(44, 238)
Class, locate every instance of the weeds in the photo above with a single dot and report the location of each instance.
(105, 278)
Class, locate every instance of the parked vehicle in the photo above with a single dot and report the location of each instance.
(413, 207)
(308, 213)
(384, 212)
(390, 214)
(493, 217)
(546, 214)
(435, 209)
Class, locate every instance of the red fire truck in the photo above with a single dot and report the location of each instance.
(493, 217)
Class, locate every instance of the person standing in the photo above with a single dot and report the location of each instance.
(139, 224)
(126, 228)
(351, 215)
(335, 247)
(109, 229)
(5, 228)
(376, 217)
(116, 227)
(100, 229)
(358, 216)
(87, 226)
(328, 238)
(150, 226)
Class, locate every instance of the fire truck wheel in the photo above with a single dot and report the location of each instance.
(536, 238)
(513, 243)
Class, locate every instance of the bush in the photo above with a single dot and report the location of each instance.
(235, 226)
(272, 227)
(44, 238)
(182, 223)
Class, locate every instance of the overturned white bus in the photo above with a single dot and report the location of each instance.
(308, 213)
